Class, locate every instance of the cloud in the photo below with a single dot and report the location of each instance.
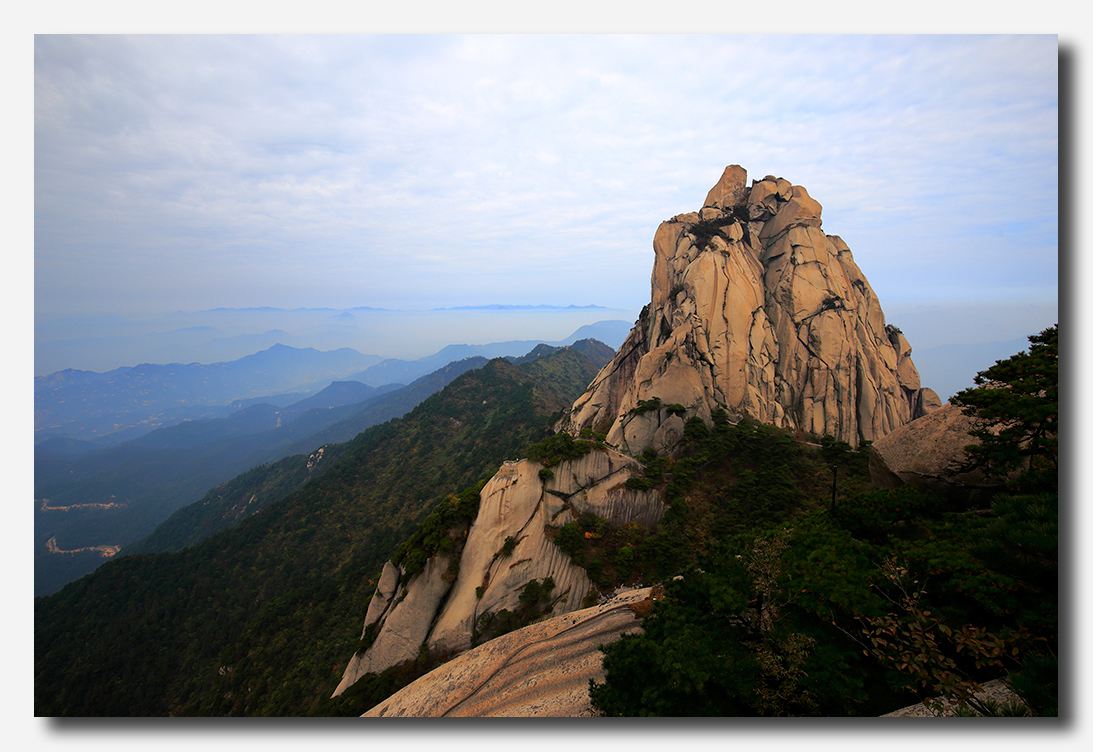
(190, 172)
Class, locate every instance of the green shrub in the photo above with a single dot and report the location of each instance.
(535, 600)
(705, 230)
(646, 406)
(569, 538)
(558, 448)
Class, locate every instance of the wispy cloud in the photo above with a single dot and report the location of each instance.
(190, 172)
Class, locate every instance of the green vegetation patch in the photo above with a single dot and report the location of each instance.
(787, 604)
(646, 406)
(558, 448)
(262, 618)
(536, 601)
(441, 532)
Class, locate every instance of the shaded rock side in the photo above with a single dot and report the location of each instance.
(928, 452)
(757, 311)
(541, 670)
(441, 606)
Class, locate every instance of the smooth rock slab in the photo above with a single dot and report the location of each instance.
(540, 671)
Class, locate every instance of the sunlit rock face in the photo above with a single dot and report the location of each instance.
(441, 606)
(757, 311)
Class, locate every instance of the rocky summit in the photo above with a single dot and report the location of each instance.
(754, 311)
(757, 311)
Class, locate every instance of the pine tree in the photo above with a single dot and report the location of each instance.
(1016, 402)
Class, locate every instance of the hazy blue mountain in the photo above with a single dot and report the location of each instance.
(153, 475)
(612, 333)
(277, 597)
(395, 370)
(60, 446)
(392, 405)
(88, 404)
(257, 488)
(277, 400)
(337, 394)
(519, 307)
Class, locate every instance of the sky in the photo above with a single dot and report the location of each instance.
(181, 173)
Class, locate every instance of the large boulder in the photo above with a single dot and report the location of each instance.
(929, 452)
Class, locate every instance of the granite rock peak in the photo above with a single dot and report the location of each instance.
(757, 311)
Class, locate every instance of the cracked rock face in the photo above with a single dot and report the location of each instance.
(441, 606)
(757, 311)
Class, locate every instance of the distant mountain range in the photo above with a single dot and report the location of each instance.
(268, 309)
(503, 307)
(249, 493)
(481, 307)
(122, 404)
(151, 476)
(611, 333)
(88, 404)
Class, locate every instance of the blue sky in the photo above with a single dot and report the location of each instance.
(192, 172)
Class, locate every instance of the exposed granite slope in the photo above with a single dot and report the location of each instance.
(541, 670)
(441, 606)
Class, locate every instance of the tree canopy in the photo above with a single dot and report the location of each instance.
(1016, 402)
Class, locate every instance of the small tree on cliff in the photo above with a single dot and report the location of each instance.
(835, 454)
(1017, 403)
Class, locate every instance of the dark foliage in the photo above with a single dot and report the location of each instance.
(787, 606)
(535, 601)
(558, 448)
(1017, 403)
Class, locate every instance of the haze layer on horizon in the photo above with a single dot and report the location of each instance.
(188, 173)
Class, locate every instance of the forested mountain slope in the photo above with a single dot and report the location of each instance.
(258, 619)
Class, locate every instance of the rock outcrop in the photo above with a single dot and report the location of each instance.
(507, 546)
(541, 670)
(757, 311)
(929, 452)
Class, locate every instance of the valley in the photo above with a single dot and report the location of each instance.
(150, 477)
